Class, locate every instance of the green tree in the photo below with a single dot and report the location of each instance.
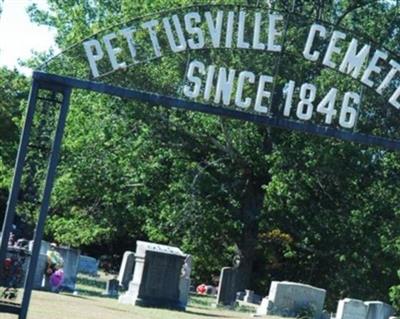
(13, 95)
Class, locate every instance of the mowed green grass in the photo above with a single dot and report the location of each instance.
(65, 306)
(90, 304)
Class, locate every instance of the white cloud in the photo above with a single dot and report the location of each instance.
(18, 36)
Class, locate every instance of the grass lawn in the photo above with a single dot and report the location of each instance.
(90, 305)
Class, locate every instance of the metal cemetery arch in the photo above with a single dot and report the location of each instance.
(124, 54)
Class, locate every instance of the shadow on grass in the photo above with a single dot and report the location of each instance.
(116, 309)
(76, 296)
(91, 293)
(202, 314)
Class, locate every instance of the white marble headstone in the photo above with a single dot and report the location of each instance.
(287, 298)
(126, 270)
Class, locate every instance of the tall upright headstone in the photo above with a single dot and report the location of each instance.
(156, 278)
(38, 281)
(227, 287)
(70, 267)
(351, 309)
(126, 270)
(184, 283)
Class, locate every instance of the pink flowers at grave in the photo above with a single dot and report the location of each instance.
(57, 278)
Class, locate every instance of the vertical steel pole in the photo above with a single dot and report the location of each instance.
(51, 172)
(19, 166)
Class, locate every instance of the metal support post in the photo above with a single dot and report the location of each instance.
(52, 167)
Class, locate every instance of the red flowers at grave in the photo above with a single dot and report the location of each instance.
(11, 277)
(201, 289)
(8, 263)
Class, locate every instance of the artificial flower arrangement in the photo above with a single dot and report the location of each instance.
(12, 275)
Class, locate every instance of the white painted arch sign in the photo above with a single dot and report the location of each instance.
(253, 62)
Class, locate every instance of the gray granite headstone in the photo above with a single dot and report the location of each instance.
(351, 309)
(156, 278)
(249, 296)
(240, 295)
(44, 246)
(211, 290)
(257, 299)
(379, 310)
(289, 298)
(126, 270)
(70, 268)
(184, 282)
(71, 262)
(88, 265)
(39, 282)
(111, 288)
(227, 287)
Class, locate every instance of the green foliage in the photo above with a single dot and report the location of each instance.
(13, 94)
(307, 312)
(394, 294)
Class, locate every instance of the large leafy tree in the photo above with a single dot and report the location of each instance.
(13, 94)
(292, 206)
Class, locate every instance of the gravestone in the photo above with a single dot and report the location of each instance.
(125, 274)
(88, 265)
(39, 281)
(289, 298)
(227, 287)
(257, 299)
(240, 295)
(351, 309)
(156, 278)
(249, 296)
(111, 288)
(263, 308)
(70, 268)
(44, 246)
(211, 290)
(184, 283)
(379, 310)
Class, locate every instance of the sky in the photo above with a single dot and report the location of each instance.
(18, 36)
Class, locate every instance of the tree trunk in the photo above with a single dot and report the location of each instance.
(252, 203)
